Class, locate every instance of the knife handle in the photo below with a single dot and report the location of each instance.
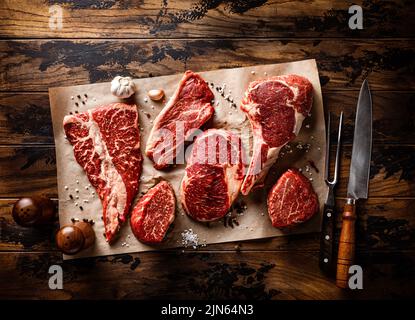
(346, 244)
(327, 265)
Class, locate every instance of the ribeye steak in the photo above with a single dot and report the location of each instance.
(213, 175)
(106, 143)
(188, 109)
(276, 108)
(291, 200)
(154, 213)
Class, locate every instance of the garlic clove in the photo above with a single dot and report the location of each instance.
(156, 94)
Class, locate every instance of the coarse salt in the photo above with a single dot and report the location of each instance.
(190, 239)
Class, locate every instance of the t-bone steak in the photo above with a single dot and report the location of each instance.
(213, 175)
(188, 109)
(106, 143)
(276, 108)
(291, 200)
(154, 213)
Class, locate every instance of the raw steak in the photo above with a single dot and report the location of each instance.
(188, 109)
(154, 213)
(106, 143)
(276, 108)
(213, 175)
(291, 200)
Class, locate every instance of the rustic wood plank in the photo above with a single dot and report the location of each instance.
(383, 224)
(25, 170)
(205, 18)
(213, 275)
(25, 117)
(39, 64)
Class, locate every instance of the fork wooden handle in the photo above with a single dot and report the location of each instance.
(346, 244)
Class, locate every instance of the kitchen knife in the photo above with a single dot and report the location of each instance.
(358, 183)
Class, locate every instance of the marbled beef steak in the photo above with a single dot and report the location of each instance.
(213, 175)
(188, 109)
(106, 143)
(154, 213)
(291, 200)
(276, 108)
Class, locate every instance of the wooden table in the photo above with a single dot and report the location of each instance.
(101, 39)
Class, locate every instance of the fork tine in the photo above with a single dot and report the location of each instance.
(337, 161)
(327, 164)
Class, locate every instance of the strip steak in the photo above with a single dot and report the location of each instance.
(188, 109)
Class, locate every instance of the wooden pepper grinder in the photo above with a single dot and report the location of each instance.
(78, 236)
(34, 211)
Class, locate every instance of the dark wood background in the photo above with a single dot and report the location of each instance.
(101, 39)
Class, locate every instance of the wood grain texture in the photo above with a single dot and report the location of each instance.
(141, 38)
(209, 275)
(383, 224)
(347, 245)
(25, 117)
(205, 18)
(36, 65)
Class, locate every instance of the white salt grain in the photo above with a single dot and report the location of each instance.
(66, 188)
(252, 72)
(190, 239)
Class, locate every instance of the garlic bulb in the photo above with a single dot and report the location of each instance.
(122, 87)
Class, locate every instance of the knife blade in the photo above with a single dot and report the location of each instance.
(358, 183)
(362, 146)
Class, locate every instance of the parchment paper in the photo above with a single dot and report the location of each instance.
(253, 223)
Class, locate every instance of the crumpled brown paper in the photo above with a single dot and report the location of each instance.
(252, 222)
